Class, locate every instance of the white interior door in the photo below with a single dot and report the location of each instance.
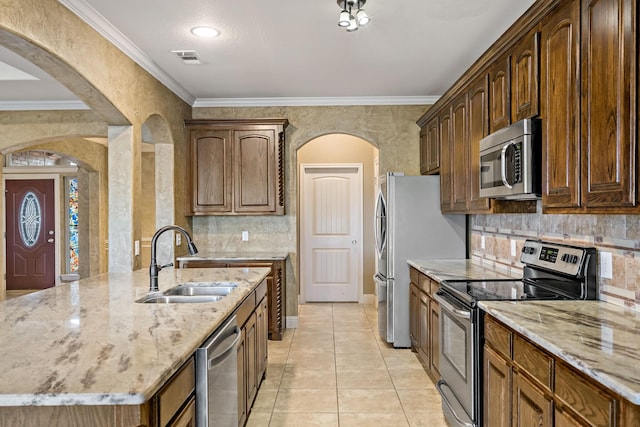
(331, 232)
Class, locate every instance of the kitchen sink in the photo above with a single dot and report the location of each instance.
(191, 292)
(167, 299)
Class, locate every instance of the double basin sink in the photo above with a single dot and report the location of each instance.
(191, 292)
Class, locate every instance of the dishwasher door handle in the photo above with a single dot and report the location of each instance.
(218, 359)
(464, 314)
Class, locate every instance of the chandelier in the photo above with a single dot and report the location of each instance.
(347, 19)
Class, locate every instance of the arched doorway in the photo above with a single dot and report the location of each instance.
(338, 150)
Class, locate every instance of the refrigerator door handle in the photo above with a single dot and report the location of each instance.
(380, 224)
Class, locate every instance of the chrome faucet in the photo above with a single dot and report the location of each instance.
(154, 268)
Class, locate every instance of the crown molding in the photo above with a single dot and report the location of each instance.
(315, 101)
(42, 105)
(98, 22)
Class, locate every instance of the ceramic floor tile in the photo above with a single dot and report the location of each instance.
(306, 400)
(369, 401)
(410, 378)
(305, 348)
(258, 419)
(363, 346)
(304, 419)
(301, 377)
(365, 378)
(265, 400)
(383, 420)
(347, 361)
(324, 361)
(422, 400)
(427, 419)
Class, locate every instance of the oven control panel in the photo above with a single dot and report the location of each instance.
(552, 256)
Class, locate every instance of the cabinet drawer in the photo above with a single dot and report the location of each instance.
(261, 290)
(585, 398)
(414, 275)
(534, 361)
(425, 283)
(246, 308)
(434, 287)
(498, 337)
(176, 392)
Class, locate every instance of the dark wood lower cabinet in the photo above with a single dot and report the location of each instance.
(497, 389)
(276, 286)
(530, 405)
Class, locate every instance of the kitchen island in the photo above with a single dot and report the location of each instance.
(87, 349)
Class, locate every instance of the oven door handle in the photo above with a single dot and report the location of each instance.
(464, 314)
(440, 386)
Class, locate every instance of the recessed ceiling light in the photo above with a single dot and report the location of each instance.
(209, 32)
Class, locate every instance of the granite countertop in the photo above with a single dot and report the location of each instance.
(597, 338)
(90, 343)
(234, 256)
(459, 269)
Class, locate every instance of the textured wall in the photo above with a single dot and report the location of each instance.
(618, 234)
(392, 129)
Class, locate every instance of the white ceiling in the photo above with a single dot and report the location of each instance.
(289, 49)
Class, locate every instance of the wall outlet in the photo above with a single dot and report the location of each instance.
(481, 242)
(245, 236)
(136, 248)
(606, 265)
(178, 239)
(513, 248)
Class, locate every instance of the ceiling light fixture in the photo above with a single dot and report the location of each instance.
(346, 18)
(208, 32)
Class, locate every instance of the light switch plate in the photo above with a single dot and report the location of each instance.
(136, 247)
(178, 239)
(513, 248)
(245, 236)
(606, 265)
(482, 243)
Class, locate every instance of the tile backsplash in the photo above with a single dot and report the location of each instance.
(491, 237)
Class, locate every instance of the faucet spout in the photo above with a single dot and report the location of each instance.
(154, 268)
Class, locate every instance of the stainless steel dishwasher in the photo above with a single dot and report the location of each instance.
(217, 378)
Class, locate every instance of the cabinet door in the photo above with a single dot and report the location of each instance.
(262, 330)
(187, 417)
(423, 342)
(251, 359)
(564, 419)
(434, 335)
(459, 138)
(609, 101)
(242, 380)
(500, 94)
(255, 170)
(414, 313)
(429, 148)
(531, 408)
(211, 176)
(478, 129)
(496, 390)
(446, 161)
(525, 73)
(560, 50)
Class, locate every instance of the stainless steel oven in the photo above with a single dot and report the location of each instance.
(510, 162)
(552, 271)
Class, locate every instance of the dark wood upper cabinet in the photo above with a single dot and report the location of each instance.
(500, 93)
(560, 49)
(609, 102)
(460, 154)
(237, 167)
(430, 148)
(525, 74)
(478, 129)
(446, 160)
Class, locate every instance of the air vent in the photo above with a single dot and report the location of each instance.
(189, 57)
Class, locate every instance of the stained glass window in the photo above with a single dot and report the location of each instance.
(73, 224)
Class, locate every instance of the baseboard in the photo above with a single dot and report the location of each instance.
(291, 322)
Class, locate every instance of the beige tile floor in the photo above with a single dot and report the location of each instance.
(334, 371)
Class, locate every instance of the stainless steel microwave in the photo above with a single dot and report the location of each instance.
(510, 162)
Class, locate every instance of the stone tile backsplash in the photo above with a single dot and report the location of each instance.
(616, 234)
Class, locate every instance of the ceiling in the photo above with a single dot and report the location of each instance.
(287, 51)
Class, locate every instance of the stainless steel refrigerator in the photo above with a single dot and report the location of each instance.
(409, 225)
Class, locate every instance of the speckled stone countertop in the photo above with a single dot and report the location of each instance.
(599, 339)
(233, 256)
(90, 343)
(452, 269)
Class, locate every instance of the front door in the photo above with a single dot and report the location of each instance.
(30, 221)
(331, 232)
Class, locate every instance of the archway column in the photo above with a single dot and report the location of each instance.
(165, 212)
(124, 191)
